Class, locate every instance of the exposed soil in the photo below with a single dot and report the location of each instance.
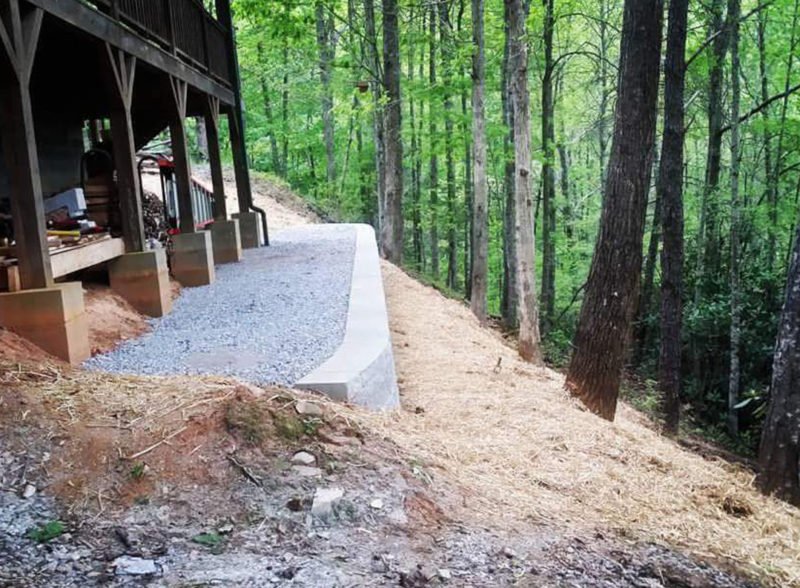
(112, 319)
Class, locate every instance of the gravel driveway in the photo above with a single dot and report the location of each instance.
(270, 319)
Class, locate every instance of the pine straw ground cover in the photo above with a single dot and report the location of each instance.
(526, 453)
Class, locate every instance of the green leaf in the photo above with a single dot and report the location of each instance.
(47, 532)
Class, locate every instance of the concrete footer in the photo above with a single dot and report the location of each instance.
(52, 318)
(193, 259)
(143, 280)
(227, 241)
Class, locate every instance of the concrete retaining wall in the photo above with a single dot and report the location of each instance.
(362, 370)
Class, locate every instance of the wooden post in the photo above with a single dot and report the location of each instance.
(214, 158)
(180, 155)
(123, 68)
(170, 16)
(240, 166)
(19, 36)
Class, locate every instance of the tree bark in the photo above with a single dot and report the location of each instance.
(480, 203)
(374, 71)
(548, 176)
(779, 454)
(672, 222)
(734, 10)
(433, 172)
(445, 49)
(326, 56)
(528, 309)
(391, 230)
(611, 292)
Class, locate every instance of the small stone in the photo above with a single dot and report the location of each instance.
(324, 501)
(303, 458)
(29, 491)
(134, 566)
(306, 471)
(376, 504)
(445, 574)
(225, 530)
(509, 553)
(306, 408)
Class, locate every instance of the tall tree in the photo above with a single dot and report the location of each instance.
(433, 131)
(446, 49)
(327, 51)
(670, 188)
(391, 228)
(548, 175)
(779, 454)
(480, 204)
(528, 310)
(610, 299)
(734, 381)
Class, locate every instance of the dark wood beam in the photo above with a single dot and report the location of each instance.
(107, 30)
(180, 154)
(19, 36)
(122, 72)
(214, 157)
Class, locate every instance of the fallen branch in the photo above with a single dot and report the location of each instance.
(246, 471)
(155, 445)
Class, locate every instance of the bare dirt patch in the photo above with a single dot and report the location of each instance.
(112, 319)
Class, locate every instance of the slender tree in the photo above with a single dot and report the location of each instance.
(670, 188)
(480, 219)
(528, 309)
(610, 299)
(548, 175)
(391, 229)
(327, 51)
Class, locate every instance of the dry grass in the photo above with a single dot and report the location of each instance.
(524, 451)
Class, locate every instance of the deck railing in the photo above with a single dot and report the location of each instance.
(182, 27)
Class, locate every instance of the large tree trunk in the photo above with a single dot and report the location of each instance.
(734, 10)
(433, 172)
(670, 188)
(392, 225)
(549, 176)
(779, 455)
(528, 309)
(611, 292)
(326, 56)
(480, 202)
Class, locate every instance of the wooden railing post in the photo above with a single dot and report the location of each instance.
(170, 16)
(206, 57)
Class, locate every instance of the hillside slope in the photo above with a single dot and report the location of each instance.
(489, 475)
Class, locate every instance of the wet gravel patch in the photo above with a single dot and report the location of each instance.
(270, 319)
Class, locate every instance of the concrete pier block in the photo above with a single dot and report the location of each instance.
(52, 318)
(249, 229)
(227, 241)
(193, 259)
(143, 280)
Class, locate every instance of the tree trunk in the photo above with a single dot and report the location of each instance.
(645, 304)
(392, 226)
(671, 196)
(508, 303)
(446, 48)
(548, 177)
(416, 217)
(326, 56)
(611, 292)
(734, 10)
(433, 172)
(273, 139)
(374, 71)
(779, 455)
(480, 183)
(528, 309)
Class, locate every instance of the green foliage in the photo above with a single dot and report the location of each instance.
(47, 532)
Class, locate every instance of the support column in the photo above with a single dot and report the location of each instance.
(225, 234)
(193, 259)
(214, 158)
(19, 36)
(123, 68)
(180, 155)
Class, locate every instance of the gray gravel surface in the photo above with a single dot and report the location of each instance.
(270, 319)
